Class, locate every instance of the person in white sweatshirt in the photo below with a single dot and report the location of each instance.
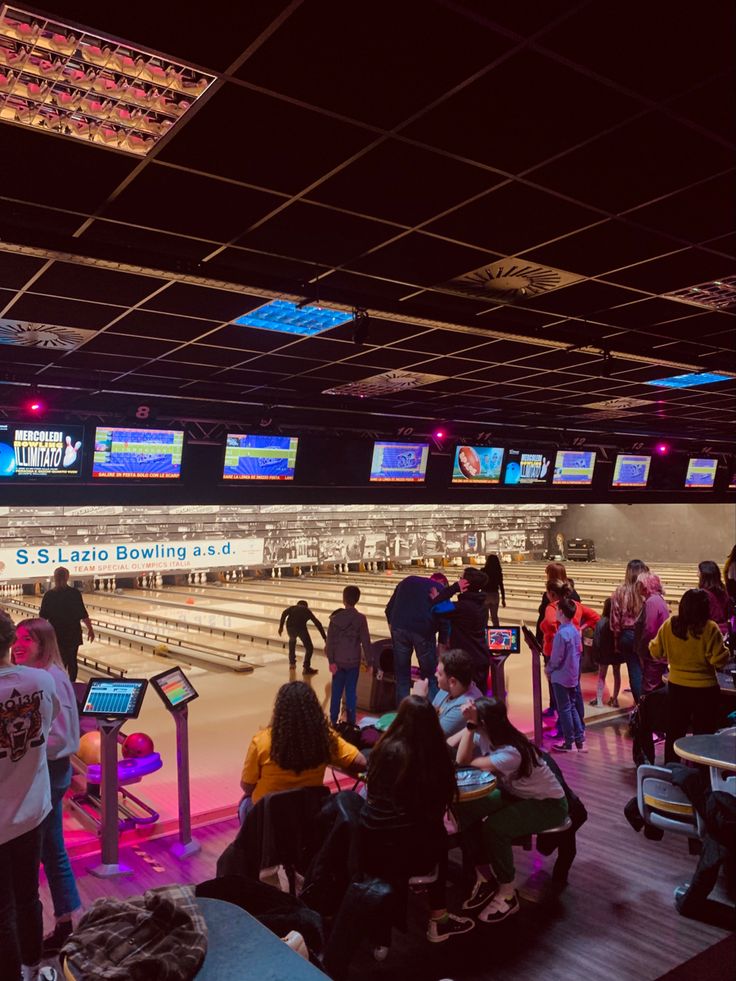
(36, 647)
(28, 704)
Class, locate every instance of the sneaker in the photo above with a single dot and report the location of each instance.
(53, 943)
(448, 926)
(483, 892)
(38, 973)
(581, 747)
(499, 908)
(549, 712)
(595, 702)
(310, 671)
(613, 702)
(561, 748)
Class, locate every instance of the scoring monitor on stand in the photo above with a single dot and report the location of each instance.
(502, 641)
(112, 701)
(176, 692)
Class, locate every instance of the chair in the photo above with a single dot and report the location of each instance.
(663, 805)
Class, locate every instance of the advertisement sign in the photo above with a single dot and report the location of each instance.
(119, 558)
(30, 452)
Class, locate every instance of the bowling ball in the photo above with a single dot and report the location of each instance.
(161, 649)
(469, 461)
(137, 744)
(7, 460)
(189, 600)
(90, 748)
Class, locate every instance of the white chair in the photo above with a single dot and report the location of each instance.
(663, 805)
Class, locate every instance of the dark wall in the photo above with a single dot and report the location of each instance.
(653, 532)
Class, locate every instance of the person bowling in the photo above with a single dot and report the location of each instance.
(296, 619)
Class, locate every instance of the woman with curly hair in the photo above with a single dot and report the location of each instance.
(295, 749)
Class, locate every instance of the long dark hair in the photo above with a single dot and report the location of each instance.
(494, 571)
(301, 737)
(7, 633)
(413, 748)
(710, 577)
(492, 715)
(692, 615)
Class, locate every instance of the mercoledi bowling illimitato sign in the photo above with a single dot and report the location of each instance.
(119, 558)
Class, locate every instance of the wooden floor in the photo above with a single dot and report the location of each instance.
(615, 920)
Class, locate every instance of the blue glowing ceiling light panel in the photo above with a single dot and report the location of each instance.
(287, 317)
(694, 380)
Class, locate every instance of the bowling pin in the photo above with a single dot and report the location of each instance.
(159, 579)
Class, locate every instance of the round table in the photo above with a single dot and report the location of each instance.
(717, 750)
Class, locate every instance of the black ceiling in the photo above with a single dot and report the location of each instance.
(382, 149)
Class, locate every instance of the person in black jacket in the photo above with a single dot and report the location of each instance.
(296, 619)
(468, 619)
(64, 608)
(495, 591)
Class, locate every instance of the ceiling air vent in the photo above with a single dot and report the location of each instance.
(384, 384)
(509, 280)
(22, 333)
(718, 295)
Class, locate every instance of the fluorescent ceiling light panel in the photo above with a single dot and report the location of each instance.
(68, 81)
(287, 317)
(694, 380)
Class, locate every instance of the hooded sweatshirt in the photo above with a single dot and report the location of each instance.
(346, 634)
(468, 619)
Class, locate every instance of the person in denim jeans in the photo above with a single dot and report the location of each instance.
(563, 669)
(626, 604)
(414, 629)
(347, 633)
(35, 647)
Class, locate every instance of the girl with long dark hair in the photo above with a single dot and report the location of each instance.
(528, 800)
(693, 646)
(410, 785)
(494, 588)
(626, 604)
(720, 603)
(295, 749)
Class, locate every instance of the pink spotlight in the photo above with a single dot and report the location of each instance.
(663, 448)
(439, 434)
(36, 406)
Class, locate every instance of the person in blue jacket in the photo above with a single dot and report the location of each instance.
(414, 629)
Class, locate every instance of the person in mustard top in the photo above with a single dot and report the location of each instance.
(693, 647)
(295, 749)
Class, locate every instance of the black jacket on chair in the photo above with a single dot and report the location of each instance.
(278, 831)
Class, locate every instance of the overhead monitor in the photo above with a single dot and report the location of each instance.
(525, 468)
(504, 640)
(477, 465)
(47, 452)
(399, 461)
(174, 688)
(258, 457)
(701, 473)
(137, 453)
(631, 470)
(574, 468)
(114, 698)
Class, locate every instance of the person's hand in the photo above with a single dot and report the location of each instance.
(421, 687)
(90, 636)
(470, 711)
(280, 631)
(463, 584)
(333, 669)
(503, 603)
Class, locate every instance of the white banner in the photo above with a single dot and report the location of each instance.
(129, 557)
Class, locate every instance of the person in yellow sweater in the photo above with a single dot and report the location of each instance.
(693, 647)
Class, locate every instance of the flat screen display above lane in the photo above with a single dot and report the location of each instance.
(259, 457)
(49, 452)
(701, 473)
(631, 470)
(477, 465)
(399, 461)
(137, 453)
(524, 468)
(574, 468)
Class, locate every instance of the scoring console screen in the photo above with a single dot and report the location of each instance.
(114, 698)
